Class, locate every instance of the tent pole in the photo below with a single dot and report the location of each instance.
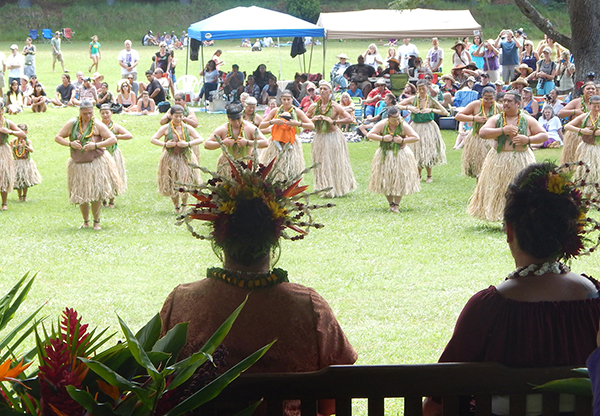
(279, 49)
(324, 54)
(312, 45)
(202, 67)
(187, 58)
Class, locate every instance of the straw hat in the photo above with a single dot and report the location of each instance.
(520, 81)
(342, 56)
(525, 66)
(459, 42)
(450, 77)
(471, 65)
(97, 75)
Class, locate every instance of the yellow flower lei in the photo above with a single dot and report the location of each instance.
(81, 129)
(24, 147)
(175, 131)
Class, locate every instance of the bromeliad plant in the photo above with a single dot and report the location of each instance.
(138, 377)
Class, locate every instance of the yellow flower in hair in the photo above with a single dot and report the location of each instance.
(556, 184)
(227, 207)
(278, 211)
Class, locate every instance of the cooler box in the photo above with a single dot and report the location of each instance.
(448, 123)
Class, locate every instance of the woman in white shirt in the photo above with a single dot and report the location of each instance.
(372, 57)
(553, 126)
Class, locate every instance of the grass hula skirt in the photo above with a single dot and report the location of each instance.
(174, 168)
(498, 171)
(330, 151)
(26, 174)
(590, 155)
(120, 162)
(474, 153)
(7, 169)
(93, 181)
(290, 162)
(394, 174)
(431, 149)
(571, 142)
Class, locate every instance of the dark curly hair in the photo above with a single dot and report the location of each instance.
(545, 223)
(249, 233)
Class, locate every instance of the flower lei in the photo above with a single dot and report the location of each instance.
(554, 267)
(503, 137)
(322, 126)
(558, 180)
(217, 199)
(20, 143)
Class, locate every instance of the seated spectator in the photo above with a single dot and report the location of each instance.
(246, 43)
(295, 87)
(528, 103)
(271, 90)
(271, 106)
(348, 106)
(165, 82)
(104, 96)
(262, 76)
(154, 88)
(465, 94)
(310, 98)
(553, 101)
(97, 80)
(26, 90)
(38, 99)
(14, 98)
(211, 81)
(379, 114)
(555, 310)
(149, 39)
(79, 80)
(360, 73)
(234, 82)
(86, 92)
(127, 98)
(252, 88)
(393, 68)
(418, 69)
(375, 96)
(64, 92)
(353, 90)
(519, 84)
(145, 104)
(337, 72)
(308, 336)
(372, 57)
(551, 123)
(485, 82)
(459, 75)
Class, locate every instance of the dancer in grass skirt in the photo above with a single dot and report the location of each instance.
(237, 135)
(475, 148)
(174, 168)
(286, 122)
(91, 172)
(26, 172)
(574, 109)
(7, 166)
(120, 133)
(430, 150)
(587, 127)
(394, 167)
(514, 130)
(329, 148)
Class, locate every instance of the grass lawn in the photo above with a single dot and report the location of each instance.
(396, 281)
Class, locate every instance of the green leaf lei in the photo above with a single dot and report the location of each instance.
(385, 146)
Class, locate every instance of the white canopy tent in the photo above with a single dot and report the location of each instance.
(396, 24)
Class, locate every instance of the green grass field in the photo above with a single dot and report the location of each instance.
(396, 281)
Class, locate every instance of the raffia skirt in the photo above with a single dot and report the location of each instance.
(431, 149)
(289, 163)
(223, 167)
(120, 162)
(330, 150)
(93, 181)
(7, 169)
(590, 155)
(173, 170)
(394, 175)
(26, 174)
(474, 153)
(498, 171)
(571, 142)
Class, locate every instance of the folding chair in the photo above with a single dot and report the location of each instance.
(67, 34)
(46, 35)
(397, 83)
(187, 84)
(34, 34)
(358, 109)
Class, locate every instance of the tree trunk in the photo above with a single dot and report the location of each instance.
(583, 43)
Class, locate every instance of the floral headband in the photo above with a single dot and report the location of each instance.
(558, 180)
(217, 199)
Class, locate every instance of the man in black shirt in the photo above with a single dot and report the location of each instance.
(154, 88)
(360, 73)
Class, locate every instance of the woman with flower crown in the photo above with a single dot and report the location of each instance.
(7, 167)
(173, 167)
(247, 216)
(574, 109)
(475, 148)
(329, 148)
(587, 128)
(237, 135)
(543, 314)
(286, 123)
(513, 131)
(91, 172)
(431, 149)
(394, 167)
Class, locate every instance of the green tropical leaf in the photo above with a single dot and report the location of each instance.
(249, 411)
(86, 400)
(12, 334)
(213, 389)
(138, 352)
(149, 334)
(9, 312)
(577, 386)
(173, 340)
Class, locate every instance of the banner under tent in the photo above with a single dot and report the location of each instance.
(252, 22)
(398, 24)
